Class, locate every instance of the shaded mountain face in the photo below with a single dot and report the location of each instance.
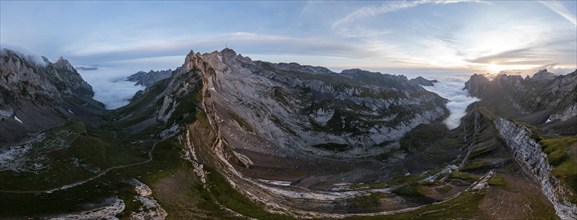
(34, 96)
(539, 98)
(150, 77)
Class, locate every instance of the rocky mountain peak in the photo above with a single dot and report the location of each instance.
(45, 59)
(189, 61)
(228, 53)
(474, 82)
(64, 65)
(543, 75)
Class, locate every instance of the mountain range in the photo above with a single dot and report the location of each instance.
(223, 136)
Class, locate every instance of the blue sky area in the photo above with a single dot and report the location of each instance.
(387, 36)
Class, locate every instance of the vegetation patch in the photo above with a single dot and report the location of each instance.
(333, 147)
(477, 164)
(226, 195)
(557, 150)
(497, 181)
(281, 125)
(410, 190)
(444, 188)
(465, 176)
(243, 124)
(407, 179)
(376, 185)
(366, 202)
(465, 206)
(279, 95)
(422, 136)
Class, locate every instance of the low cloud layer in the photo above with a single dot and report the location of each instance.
(110, 87)
(451, 88)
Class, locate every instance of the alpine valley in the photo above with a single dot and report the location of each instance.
(226, 137)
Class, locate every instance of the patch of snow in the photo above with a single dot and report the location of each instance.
(17, 119)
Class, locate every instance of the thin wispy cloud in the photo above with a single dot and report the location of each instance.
(388, 7)
(561, 10)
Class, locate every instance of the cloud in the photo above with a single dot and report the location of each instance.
(518, 56)
(560, 9)
(451, 88)
(110, 87)
(388, 7)
(26, 54)
(245, 42)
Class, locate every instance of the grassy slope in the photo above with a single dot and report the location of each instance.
(562, 154)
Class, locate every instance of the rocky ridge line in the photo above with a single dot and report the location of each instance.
(534, 162)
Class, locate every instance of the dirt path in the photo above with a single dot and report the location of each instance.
(78, 183)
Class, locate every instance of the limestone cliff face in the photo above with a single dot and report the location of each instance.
(36, 96)
(533, 160)
(289, 108)
(513, 95)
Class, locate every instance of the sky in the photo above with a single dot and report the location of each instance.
(418, 36)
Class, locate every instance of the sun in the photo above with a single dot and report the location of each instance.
(494, 68)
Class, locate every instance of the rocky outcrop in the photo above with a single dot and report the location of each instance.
(150, 77)
(150, 208)
(533, 160)
(35, 96)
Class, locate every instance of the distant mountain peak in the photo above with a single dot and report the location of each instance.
(150, 77)
(543, 75)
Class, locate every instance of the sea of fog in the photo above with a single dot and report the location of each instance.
(451, 87)
(110, 85)
(111, 88)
